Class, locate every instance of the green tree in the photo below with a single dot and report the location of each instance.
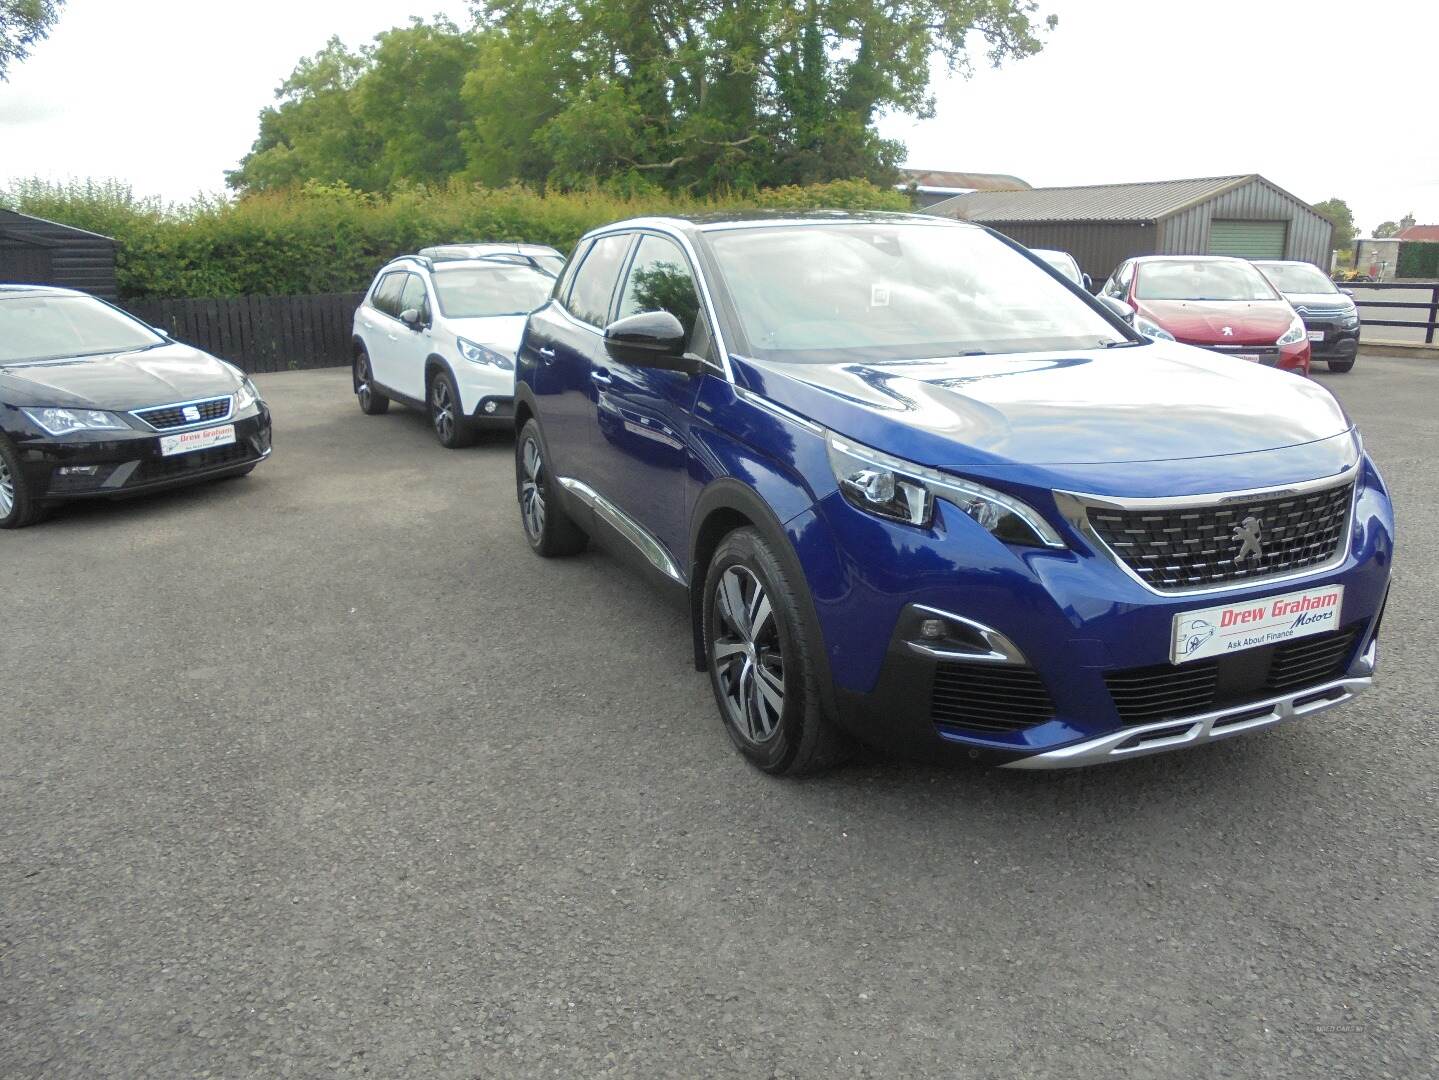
(22, 24)
(315, 132)
(1385, 229)
(1342, 218)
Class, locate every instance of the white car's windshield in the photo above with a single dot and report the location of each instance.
(57, 327)
(876, 291)
(1297, 278)
(1202, 279)
(475, 292)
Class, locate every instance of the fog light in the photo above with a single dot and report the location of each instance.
(78, 470)
(932, 629)
(489, 406)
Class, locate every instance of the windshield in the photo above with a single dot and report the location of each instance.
(1061, 261)
(881, 291)
(1297, 278)
(1202, 279)
(475, 292)
(60, 327)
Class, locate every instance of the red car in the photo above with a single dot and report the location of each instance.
(1214, 302)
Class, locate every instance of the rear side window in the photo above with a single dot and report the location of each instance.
(594, 285)
(386, 297)
(414, 296)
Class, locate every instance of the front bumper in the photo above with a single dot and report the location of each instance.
(1081, 626)
(1339, 343)
(121, 464)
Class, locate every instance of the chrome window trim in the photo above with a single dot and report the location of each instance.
(1200, 729)
(229, 400)
(648, 544)
(1074, 507)
(762, 402)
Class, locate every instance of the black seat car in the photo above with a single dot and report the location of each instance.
(94, 403)
(1330, 315)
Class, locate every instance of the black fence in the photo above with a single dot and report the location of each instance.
(260, 333)
(1427, 304)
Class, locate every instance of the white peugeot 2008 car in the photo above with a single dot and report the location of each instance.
(441, 336)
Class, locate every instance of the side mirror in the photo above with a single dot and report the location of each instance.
(1118, 308)
(652, 339)
(411, 318)
(1088, 282)
(1347, 292)
(162, 332)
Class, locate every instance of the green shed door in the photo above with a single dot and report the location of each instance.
(1247, 239)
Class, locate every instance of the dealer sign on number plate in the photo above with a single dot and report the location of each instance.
(1218, 630)
(197, 440)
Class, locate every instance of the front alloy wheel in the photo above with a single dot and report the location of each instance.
(549, 530)
(747, 655)
(532, 490)
(450, 427)
(17, 508)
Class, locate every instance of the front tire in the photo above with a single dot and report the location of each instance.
(446, 416)
(372, 402)
(17, 507)
(762, 663)
(1341, 366)
(549, 530)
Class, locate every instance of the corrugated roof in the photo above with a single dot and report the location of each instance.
(971, 181)
(1427, 234)
(1101, 202)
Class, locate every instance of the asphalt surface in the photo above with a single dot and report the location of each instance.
(322, 773)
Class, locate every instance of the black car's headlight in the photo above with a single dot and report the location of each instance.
(248, 394)
(891, 487)
(58, 421)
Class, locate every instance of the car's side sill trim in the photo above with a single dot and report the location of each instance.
(648, 545)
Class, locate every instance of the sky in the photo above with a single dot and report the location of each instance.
(1324, 98)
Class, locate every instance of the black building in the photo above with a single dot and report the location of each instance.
(34, 251)
(1105, 224)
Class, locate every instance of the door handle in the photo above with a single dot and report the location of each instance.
(600, 377)
(547, 352)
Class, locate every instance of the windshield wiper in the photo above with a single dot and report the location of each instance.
(1122, 344)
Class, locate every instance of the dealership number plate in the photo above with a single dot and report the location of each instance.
(1316, 335)
(203, 439)
(1267, 621)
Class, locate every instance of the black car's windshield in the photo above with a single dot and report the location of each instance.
(892, 291)
(1061, 261)
(1202, 279)
(475, 292)
(1297, 278)
(56, 327)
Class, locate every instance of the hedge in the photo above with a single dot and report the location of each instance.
(330, 239)
(1418, 259)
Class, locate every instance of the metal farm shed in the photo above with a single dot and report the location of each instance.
(1103, 225)
(34, 251)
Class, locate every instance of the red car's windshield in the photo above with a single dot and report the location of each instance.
(1202, 279)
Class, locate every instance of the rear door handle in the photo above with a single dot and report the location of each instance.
(547, 352)
(600, 377)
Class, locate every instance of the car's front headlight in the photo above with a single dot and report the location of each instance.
(1151, 329)
(483, 354)
(1295, 334)
(1352, 318)
(69, 421)
(247, 395)
(890, 487)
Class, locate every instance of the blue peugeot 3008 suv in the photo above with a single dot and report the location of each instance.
(923, 492)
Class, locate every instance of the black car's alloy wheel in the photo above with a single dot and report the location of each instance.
(762, 661)
(445, 416)
(17, 508)
(549, 530)
(372, 402)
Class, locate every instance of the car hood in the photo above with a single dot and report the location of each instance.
(1321, 301)
(1159, 401)
(499, 332)
(120, 381)
(1202, 322)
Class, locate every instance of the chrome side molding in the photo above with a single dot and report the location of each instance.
(647, 543)
(1144, 739)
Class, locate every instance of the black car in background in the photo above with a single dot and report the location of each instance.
(1330, 316)
(94, 403)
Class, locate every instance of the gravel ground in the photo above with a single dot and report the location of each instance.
(321, 773)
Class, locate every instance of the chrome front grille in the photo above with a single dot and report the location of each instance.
(187, 413)
(1196, 545)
